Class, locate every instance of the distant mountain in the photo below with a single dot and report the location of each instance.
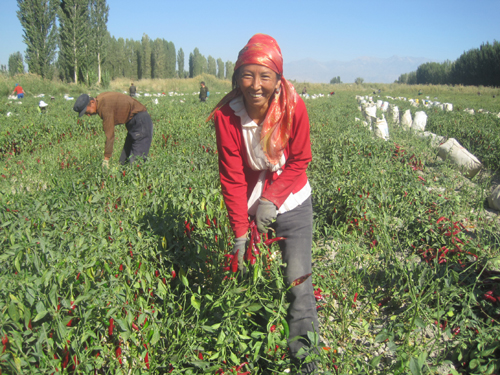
(371, 69)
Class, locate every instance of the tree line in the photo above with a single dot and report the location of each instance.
(78, 47)
(476, 67)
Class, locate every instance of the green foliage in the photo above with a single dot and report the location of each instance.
(211, 67)
(94, 260)
(335, 80)
(38, 19)
(16, 64)
(74, 34)
(359, 81)
(229, 70)
(476, 67)
(220, 69)
(180, 64)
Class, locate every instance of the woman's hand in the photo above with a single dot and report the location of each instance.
(266, 213)
(239, 247)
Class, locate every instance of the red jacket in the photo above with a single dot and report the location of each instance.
(238, 179)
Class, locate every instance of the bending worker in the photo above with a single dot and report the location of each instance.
(264, 149)
(115, 108)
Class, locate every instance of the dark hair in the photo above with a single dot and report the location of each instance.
(202, 82)
(237, 73)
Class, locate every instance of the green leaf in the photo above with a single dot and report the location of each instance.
(182, 275)
(156, 337)
(13, 312)
(419, 322)
(375, 361)
(381, 337)
(195, 303)
(40, 315)
(414, 367)
(234, 358)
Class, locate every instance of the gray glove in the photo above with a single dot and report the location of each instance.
(239, 244)
(266, 213)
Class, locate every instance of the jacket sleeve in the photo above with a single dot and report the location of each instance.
(232, 176)
(108, 125)
(298, 158)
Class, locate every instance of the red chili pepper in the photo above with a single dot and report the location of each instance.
(121, 267)
(300, 280)
(134, 326)
(234, 262)
(272, 240)
(200, 356)
(355, 296)
(29, 325)
(273, 328)
(69, 323)
(111, 326)
(5, 340)
(173, 274)
(118, 353)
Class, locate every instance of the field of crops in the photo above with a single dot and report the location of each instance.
(122, 270)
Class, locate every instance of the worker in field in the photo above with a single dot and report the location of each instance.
(115, 108)
(42, 107)
(132, 90)
(264, 148)
(203, 92)
(18, 90)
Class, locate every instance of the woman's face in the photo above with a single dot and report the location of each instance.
(257, 83)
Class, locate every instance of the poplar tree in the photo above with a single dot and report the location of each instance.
(220, 68)
(170, 68)
(73, 36)
(180, 62)
(146, 57)
(212, 67)
(16, 65)
(99, 11)
(38, 19)
(229, 70)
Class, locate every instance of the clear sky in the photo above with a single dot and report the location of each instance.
(318, 29)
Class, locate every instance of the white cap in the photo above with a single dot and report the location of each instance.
(42, 104)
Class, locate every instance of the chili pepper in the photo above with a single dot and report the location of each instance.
(111, 326)
(146, 360)
(273, 328)
(234, 262)
(272, 240)
(355, 297)
(200, 356)
(300, 280)
(118, 353)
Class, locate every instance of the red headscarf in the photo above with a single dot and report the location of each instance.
(263, 50)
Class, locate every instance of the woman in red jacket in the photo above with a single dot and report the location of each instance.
(264, 149)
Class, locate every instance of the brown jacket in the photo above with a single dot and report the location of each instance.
(115, 108)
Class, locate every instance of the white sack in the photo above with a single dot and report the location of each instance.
(406, 120)
(381, 129)
(385, 106)
(494, 199)
(458, 155)
(436, 140)
(448, 107)
(420, 121)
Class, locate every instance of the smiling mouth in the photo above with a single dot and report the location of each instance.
(255, 95)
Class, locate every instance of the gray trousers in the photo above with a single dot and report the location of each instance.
(139, 137)
(296, 227)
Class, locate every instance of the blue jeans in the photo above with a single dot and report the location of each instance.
(20, 96)
(139, 136)
(296, 226)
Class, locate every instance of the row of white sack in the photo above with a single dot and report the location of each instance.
(450, 149)
(448, 107)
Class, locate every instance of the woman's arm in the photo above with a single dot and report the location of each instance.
(231, 172)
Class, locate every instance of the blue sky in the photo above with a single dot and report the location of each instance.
(321, 30)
